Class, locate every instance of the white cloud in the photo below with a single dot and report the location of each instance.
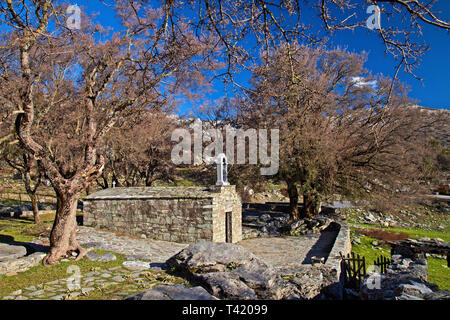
(360, 82)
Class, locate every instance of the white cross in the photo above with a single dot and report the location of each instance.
(222, 173)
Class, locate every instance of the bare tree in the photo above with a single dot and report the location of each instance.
(30, 173)
(137, 151)
(244, 28)
(77, 85)
(70, 87)
(11, 152)
(341, 130)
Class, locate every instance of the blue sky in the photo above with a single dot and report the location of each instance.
(434, 69)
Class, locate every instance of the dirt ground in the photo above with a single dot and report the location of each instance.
(383, 234)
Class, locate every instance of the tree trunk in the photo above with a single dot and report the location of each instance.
(34, 204)
(63, 236)
(26, 177)
(149, 180)
(293, 202)
(105, 182)
(311, 205)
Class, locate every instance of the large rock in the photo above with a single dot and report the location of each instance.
(412, 288)
(264, 225)
(229, 271)
(173, 292)
(136, 265)
(438, 295)
(203, 257)
(406, 279)
(308, 226)
(309, 283)
(21, 264)
(93, 256)
(226, 286)
(10, 252)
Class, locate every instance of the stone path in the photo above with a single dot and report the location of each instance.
(281, 252)
(141, 254)
(278, 251)
(289, 252)
(70, 288)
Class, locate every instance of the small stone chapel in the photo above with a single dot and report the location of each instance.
(178, 214)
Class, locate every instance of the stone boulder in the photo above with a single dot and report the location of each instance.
(10, 252)
(136, 265)
(269, 226)
(314, 282)
(438, 295)
(264, 225)
(226, 286)
(205, 256)
(21, 264)
(309, 226)
(173, 292)
(93, 256)
(406, 279)
(412, 288)
(229, 271)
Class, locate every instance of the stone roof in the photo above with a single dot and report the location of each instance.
(154, 192)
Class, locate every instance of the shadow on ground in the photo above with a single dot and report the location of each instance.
(323, 246)
(31, 247)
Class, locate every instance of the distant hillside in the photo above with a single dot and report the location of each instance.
(440, 133)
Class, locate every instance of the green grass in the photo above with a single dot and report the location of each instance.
(438, 272)
(367, 250)
(24, 229)
(272, 186)
(414, 233)
(185, 183)
(41, 274)
(419, 233)
(17, 195)
(428, 216)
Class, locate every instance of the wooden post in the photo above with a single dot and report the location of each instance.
(364, 266)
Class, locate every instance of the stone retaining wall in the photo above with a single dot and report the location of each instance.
(342, 244)
(326, 279)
